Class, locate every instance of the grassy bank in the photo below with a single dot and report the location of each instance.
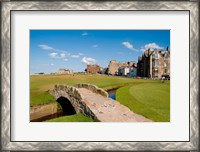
(151, 100)
(40, 84)
(73, 118)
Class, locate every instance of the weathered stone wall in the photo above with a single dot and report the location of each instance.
(93, 88)
(42, 110)
(74, 96)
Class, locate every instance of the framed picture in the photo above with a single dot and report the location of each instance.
(104, 75)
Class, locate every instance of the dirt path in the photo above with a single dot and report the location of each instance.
(109, 110)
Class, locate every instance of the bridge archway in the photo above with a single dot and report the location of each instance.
(66, 105)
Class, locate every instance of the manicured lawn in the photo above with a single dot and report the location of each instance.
(73, 118)
(151, 100)
(40, 84)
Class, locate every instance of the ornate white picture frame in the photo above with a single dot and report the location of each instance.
(8, 8)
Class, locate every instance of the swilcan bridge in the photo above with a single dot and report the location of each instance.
(93, 102)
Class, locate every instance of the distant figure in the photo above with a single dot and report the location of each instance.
(163, 79)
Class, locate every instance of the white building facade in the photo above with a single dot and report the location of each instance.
(127, 71)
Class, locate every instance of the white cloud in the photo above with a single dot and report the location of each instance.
(67, 54)
(95, 46)
(53, 55)
(51, 64)
(62, 51)
(75, 56)
(88, 60)
(45, 47)
(151, 46)
(62, 55)
(129, 46)
(84, 34)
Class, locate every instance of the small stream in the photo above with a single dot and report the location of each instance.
(59, 113)
(112, 93)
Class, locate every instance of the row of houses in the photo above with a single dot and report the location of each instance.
(123, 70)
(152, 64)
(115, 67)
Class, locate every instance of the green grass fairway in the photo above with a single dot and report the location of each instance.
(73, 118)
(40, 84)
(151, 100)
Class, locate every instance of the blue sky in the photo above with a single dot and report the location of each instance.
(74, 49)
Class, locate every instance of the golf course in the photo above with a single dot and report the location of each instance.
(149, 98)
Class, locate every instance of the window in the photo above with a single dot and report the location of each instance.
(155, 63)
(165, 65)
(155, 70)
(155, 56)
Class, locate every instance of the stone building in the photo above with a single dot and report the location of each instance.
(114, 66)
(64, 71)
(93, 69)
(123, 71)
(154, 64)
(129, 71)
(132, 72)
(103, 70)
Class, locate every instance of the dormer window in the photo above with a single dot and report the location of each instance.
(155, 56)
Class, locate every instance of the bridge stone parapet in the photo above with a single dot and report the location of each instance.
(94, 102)
(93, 88)
(74, 96)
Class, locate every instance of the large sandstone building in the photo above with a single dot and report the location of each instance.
(154, 64)
(93, 69)
(114, 66)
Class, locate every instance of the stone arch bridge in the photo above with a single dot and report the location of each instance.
(94, 102)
